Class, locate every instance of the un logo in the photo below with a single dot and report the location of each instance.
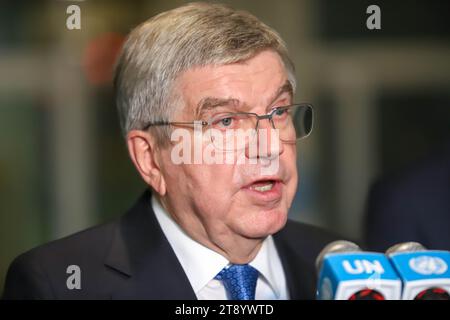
(428, 265)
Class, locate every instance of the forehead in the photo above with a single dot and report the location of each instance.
(253, 82)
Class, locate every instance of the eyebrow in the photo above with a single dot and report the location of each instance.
(209, 103)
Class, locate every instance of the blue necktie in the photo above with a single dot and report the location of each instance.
(239, 281)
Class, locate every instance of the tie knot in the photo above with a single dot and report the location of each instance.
(239, 281)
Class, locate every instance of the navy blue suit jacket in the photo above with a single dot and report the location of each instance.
(131, 259)
(412, 206)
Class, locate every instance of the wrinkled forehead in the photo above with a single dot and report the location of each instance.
(254, 83)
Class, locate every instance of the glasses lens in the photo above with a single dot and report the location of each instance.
(231, 132)
(293, 122)
(303, 120)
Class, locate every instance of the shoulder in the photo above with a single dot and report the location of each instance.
(428, 176)
(39, 272)
(87, 243)
(424, 186)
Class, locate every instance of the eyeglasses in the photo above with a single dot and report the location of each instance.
(293, 122)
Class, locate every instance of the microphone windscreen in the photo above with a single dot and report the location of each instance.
(425, 273)
(338, 246)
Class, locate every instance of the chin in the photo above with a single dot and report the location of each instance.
(264, 224)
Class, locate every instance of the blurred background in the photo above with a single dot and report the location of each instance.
(381, 97)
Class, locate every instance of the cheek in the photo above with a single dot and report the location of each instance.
(216, 181)
(218, 192)
(210, 184)
(289, 163)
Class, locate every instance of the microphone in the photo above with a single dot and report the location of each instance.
(424, 273)
(347, 273)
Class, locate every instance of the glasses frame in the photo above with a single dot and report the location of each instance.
(268, 116)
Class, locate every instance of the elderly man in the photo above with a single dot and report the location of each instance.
(212, 226)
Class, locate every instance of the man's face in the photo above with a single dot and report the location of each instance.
(219, 201)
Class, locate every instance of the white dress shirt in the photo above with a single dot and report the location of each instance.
(202, 264)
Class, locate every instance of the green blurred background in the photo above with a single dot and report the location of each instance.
(382, 100)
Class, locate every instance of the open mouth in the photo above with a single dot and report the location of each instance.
(265, 190)
(263, 186)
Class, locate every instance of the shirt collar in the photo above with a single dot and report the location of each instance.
(202, 264)
(267, 262)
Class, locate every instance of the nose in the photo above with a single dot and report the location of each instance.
(266, 143)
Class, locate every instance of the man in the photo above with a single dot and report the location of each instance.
(207, 229)
(412, 206)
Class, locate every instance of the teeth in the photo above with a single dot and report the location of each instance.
(264, 188)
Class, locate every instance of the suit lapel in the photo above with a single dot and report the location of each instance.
(142, 255)
(300, 276)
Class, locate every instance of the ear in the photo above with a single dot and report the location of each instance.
(145, 155)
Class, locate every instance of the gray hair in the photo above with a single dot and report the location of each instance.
(196, 34)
